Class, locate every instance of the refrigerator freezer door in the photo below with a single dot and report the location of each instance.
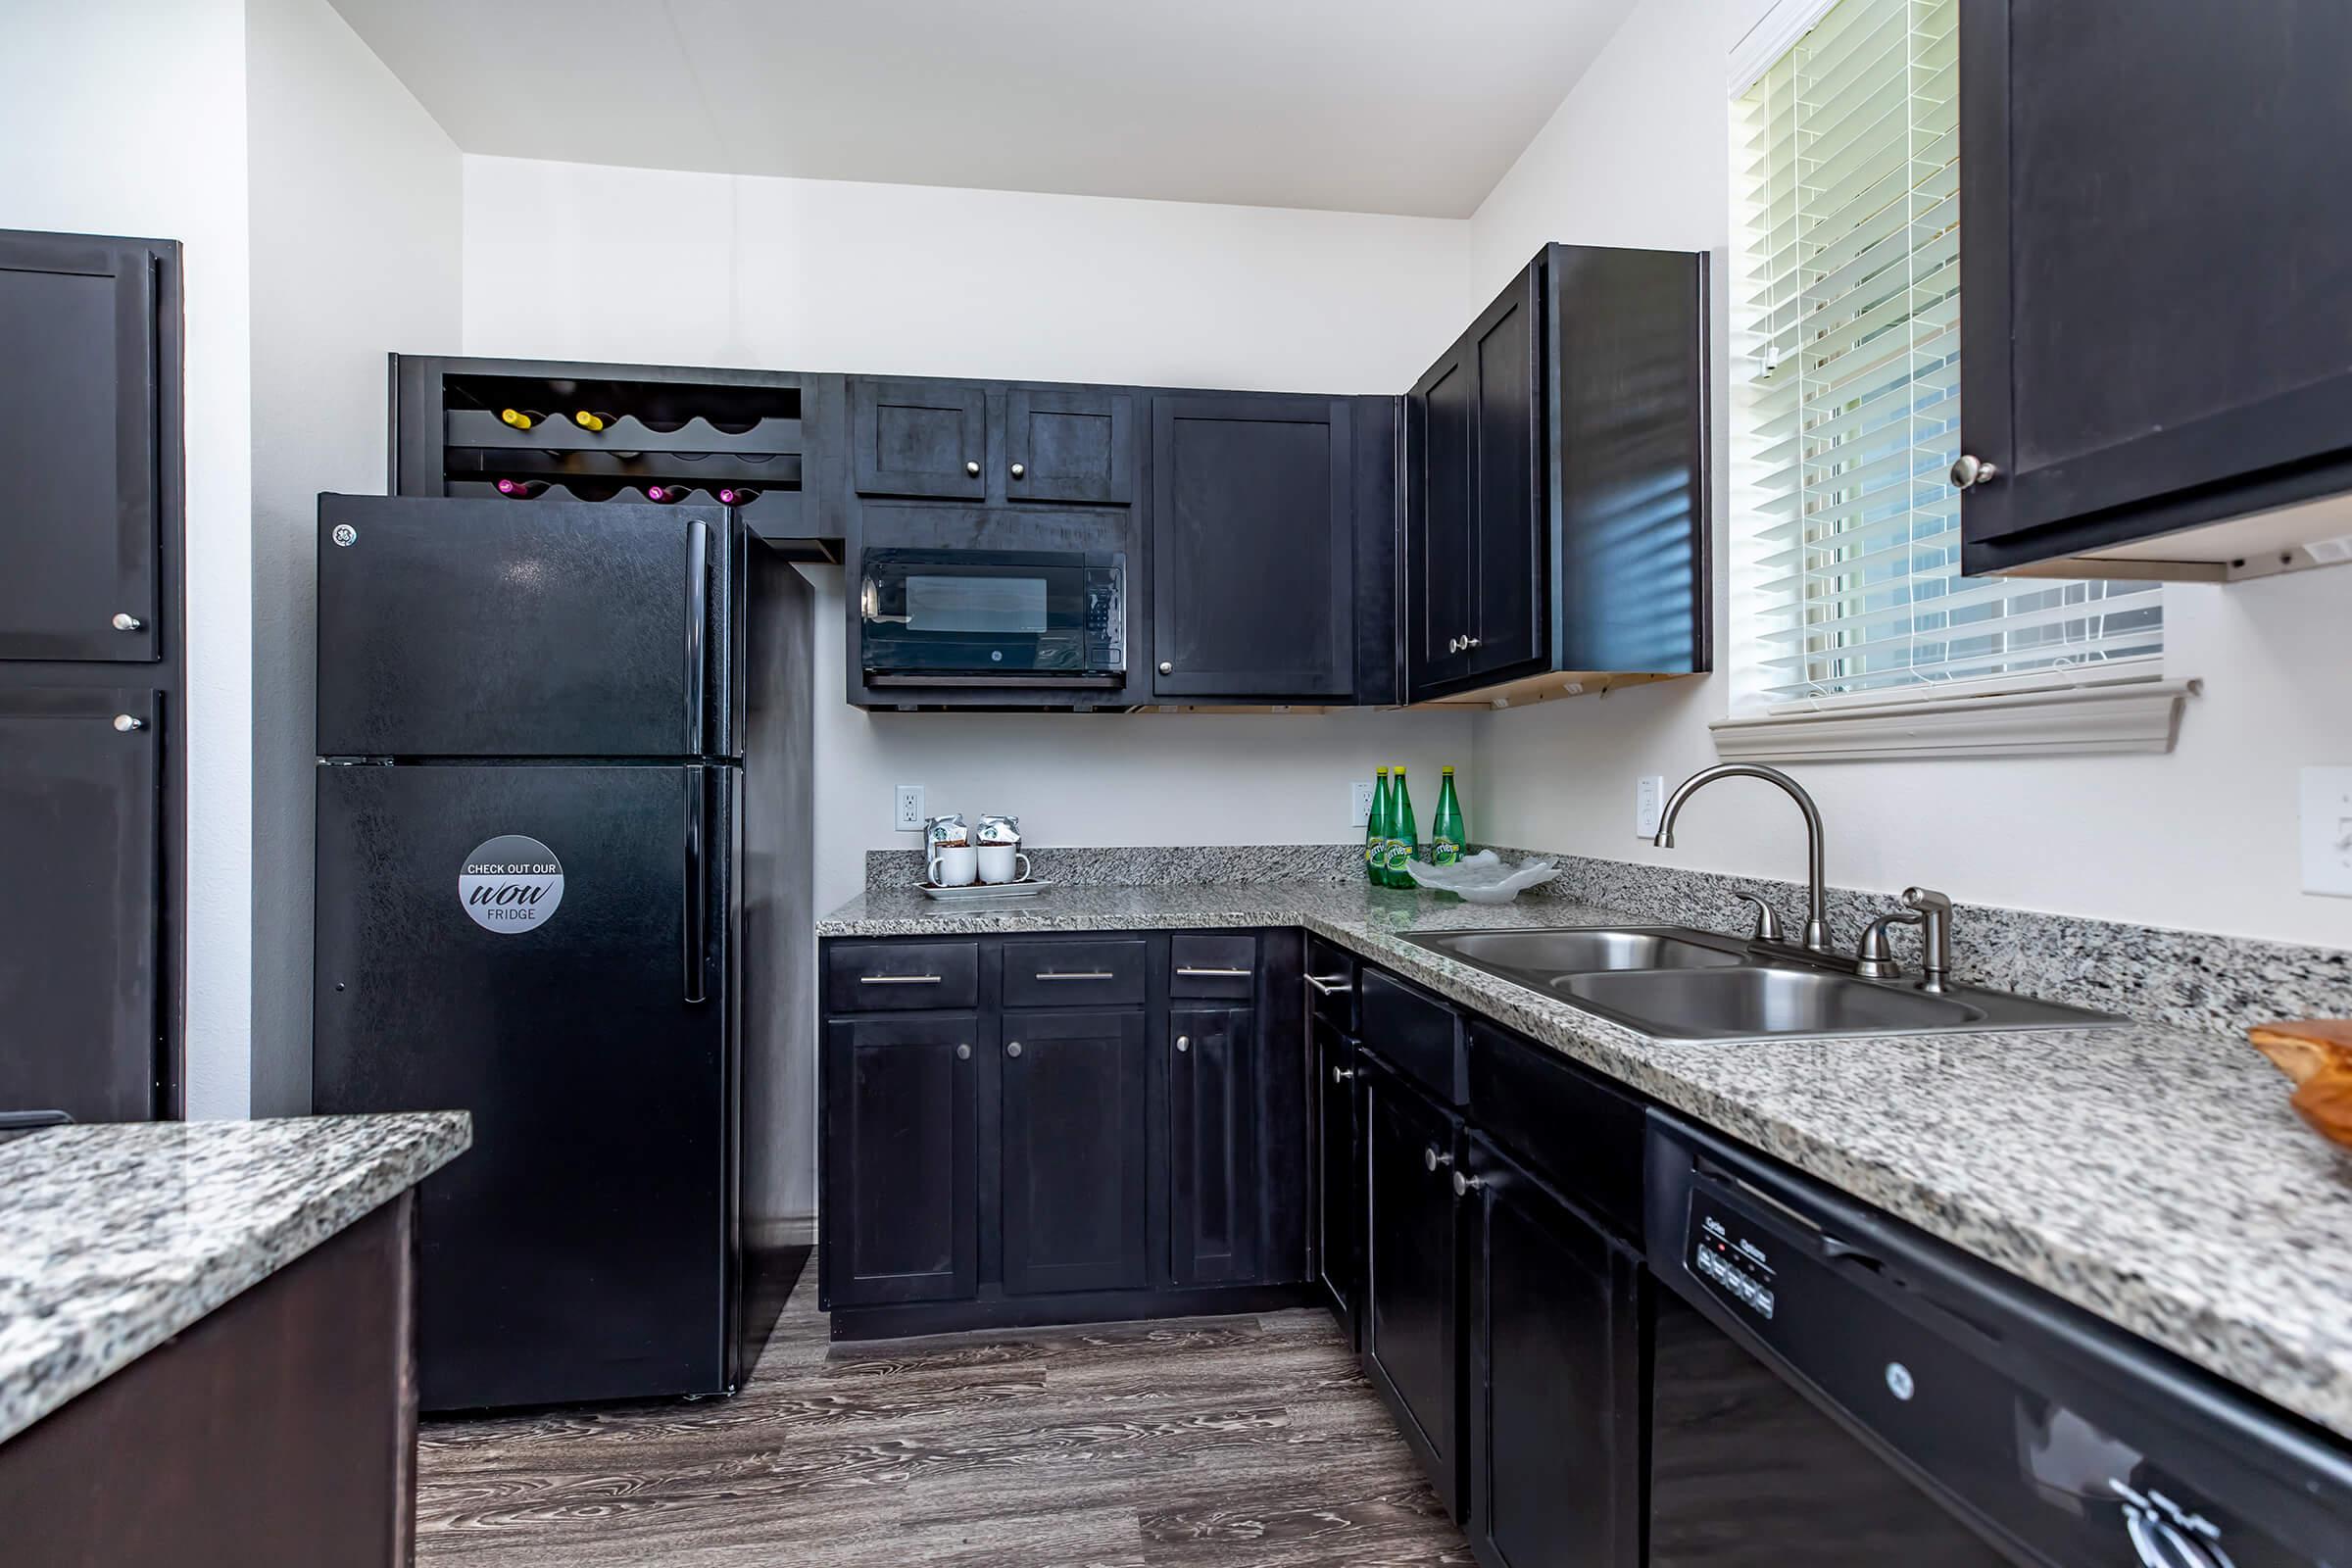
(510, 940)
(501, 629)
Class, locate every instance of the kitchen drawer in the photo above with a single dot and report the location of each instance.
(894, 976)
(1567, 1125)
(1413, 1031)
(1213, 966)
(1056, 974)
(1332, 966)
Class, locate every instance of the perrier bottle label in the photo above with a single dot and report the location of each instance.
(1376, 830)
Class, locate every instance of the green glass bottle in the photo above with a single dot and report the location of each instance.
(1447, 836)
(1405, 838)
(1376, 831)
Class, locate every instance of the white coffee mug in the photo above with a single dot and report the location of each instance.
(951, 866)
(1002, 862)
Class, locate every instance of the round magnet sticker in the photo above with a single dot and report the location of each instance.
(510, 883)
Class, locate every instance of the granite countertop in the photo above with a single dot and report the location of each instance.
(114, 1238)
(2151, 1174)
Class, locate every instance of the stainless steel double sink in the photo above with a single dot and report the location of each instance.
(1675, 983)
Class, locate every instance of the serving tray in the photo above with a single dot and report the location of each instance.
(986, 892)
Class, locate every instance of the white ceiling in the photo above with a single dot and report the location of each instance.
(1386, 105)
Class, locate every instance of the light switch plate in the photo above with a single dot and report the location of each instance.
(2328, 831)
(1649, 798)
(907, 808)
(1359, 802)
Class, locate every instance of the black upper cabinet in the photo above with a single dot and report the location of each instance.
(1556, 479)
(919, 438)
(1474, 520)
(1213, 1204)
(1077, 1140)
(1552, 1413)
(2154, 275)
(1411, 1310)
(1252, 548)
(80, 446)
(79, 848)
(1068, 445)
(902, 1164)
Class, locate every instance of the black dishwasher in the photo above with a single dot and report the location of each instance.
(1833, 1388)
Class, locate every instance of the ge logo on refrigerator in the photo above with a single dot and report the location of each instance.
(510, 883)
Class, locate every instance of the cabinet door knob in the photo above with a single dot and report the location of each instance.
(1469, 643)
(1167, 669)
(1453, 645)
(1341, 1075)
(127, 722)
(1433, 1159)
(124, 621)
(1013, 1049)
(1971, 471)
(1184, 1042)
(1020, 471)
(971, 468)
(963, 1053)
(1464, 1186)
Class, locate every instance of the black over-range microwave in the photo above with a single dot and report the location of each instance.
(949, 617)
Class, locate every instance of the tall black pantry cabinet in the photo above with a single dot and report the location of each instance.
(91, 738)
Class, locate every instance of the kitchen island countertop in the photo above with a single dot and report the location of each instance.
(115, 1236)
(2151, 1174)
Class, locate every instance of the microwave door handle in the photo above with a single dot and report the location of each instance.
(698, 617)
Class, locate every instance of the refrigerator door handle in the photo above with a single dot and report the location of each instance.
(697, 883)
(698, 620)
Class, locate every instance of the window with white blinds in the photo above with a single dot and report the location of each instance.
(1847, 388)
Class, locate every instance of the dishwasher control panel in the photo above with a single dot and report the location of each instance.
(1737, 1265)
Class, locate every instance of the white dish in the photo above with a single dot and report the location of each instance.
(982, 891)
(1482, 878)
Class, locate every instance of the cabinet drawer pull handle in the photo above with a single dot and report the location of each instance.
(1972, 470)
(1432, 1159)
(1076, 974)
(963, 1053)
(125, 723)
(1328, 985)
(1014, 1049)
(1464, 1186)
(898, 979)
(1020, 471)
(971, 469)
(1184, 1042)
(1215, 974)
(124, 621)
(1342, 1075)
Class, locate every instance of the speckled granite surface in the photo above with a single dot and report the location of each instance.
(114, 1238)
(2150, 1173)
(1130, 865)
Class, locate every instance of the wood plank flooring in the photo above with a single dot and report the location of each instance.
(1201, 1443)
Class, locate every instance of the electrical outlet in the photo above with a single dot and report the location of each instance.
(907, 808)
(1649, 798)
(2328, 831)
(1359, 802)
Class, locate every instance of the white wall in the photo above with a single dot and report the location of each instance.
(127, 117)
(2202, 838)
(569, 261)
(354, 236)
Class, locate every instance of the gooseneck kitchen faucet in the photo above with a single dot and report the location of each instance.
(1817, 922)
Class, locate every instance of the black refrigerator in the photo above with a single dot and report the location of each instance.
(530, 829)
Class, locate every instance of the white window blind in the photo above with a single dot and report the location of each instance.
(1846, 387)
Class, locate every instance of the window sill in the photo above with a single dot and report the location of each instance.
(2143, 715)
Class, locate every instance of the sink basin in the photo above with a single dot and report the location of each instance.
(1552, 953)
(1734, 1003)
(1674, 983)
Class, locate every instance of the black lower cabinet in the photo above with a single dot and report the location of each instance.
(1076, 1149)
(1338, 1176)
(1213, 1200)
(902, 1168)
(1551, 1398)
(1411, 1305)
